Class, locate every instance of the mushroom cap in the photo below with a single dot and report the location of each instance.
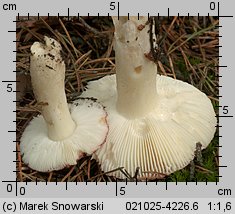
(163, 141)
(44, 154)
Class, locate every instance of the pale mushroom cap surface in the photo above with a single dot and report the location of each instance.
(164, 140)
(44, 154)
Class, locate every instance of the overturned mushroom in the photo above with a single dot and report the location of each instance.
(154, 121)
(63, 132)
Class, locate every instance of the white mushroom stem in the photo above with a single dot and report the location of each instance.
(47, 71)
(157, 120)
(136, 75)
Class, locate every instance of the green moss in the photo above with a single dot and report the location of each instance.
(194, 60)
(208, 171)
(182, 68)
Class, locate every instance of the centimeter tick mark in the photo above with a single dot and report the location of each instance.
(10, 81)
(116, 186)
(118, 10)
(218, 136)
(16, 187)
(221, 66)
(224, 116)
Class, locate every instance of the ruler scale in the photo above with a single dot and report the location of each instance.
(127, 197)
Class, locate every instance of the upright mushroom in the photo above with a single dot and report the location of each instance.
(63, 132)
(154, 121)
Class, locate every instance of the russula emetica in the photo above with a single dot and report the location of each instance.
(62, 133)
(154, 121)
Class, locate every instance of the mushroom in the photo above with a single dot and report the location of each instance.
(63, 132)
(154, 121)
